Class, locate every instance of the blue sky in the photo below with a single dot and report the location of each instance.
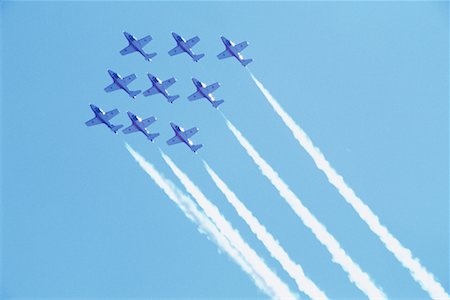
(367, 81)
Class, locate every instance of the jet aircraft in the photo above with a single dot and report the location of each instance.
(161, 87)
(103, 118)
(182, 135)
(234, 50)
(137, 124)
(121, 83)
(204, 91)
(137, 45)
(185, 46)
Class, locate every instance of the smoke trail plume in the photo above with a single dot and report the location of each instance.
(420, 274)
(279, 287)
(355, 274)
(304, 284)
(205, 226)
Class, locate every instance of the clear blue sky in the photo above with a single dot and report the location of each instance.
(369, 82)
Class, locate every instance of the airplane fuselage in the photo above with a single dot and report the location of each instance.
(157, 83)
(101, 115)
(118, 80)
(182, 43)
(230, 47)
(179, 132)
(136, 121)
(134, 42)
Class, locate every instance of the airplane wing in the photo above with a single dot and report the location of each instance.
(224, 54)
(94, 121)
(174, 140)
(145, 40)
(241, 46)
(112, 87)
(192, 41)
(211, 88)
(151, 91)
(130, 129)
(195, 96)
(176, 50)
(127, 50)
(166, 83)
(111, 114)
(190, 132)
(128, 79)
(147, 122)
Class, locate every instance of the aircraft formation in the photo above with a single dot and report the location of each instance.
(160, 87)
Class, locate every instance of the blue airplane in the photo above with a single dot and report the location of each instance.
(103, 118)
(185, 46)
(121, 83)
(137, 45)
(137, 124)
(160, 86)
(182, 135)
(234, 50)
(204, 91)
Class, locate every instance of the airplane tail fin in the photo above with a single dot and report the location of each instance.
(149, 56)
(245, 62)
(152, 136)
(198, 56)
(133, 94)
(173, 98)
(116, 128)
(196, 147)
(217, 103)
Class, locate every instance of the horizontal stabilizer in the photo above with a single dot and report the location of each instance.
(149, 56)
(116, 128)
(196, 147)
(152, 136)
(133, 94)
(245, 62)
(173, 98)
(217, 103)
(197, 57)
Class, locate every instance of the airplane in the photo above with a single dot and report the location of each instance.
(204, 91)
(182, 135)
(161, 87)
(137, 124)
(103, 118)
(137, 45)
(121, 83)
(232, 49)
(185, 46)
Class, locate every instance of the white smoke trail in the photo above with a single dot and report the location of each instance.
(205, 226)
(356, 275)
(420, 274)
(280, 288)
(304, 284)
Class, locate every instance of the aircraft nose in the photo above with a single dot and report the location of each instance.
(224, 39)
(174, 34)
(93, 106)
(130, 114)
(111, 72)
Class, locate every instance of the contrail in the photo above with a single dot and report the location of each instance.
(355, 274)
(204, 224)
(420, 274)
(280, 288)
(304, 284)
